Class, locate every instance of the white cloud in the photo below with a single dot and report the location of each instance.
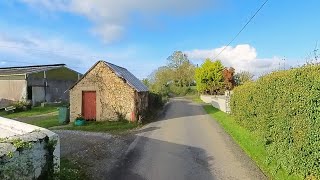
(111, 16)
(109, 33)
(25, 49)
(242, 57)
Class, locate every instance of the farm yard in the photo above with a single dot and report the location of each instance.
(272, 119)
(143, 90)
(83, 141)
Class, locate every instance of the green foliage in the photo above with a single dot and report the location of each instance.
(160, 81)
(209, 76)
(243, 77)
(174, 77)
(105, 126)
(33, 112)
(180, 91)
(182, 70)
(70, 170)
(283, 108)
(155, 104)
(156, 101)
(21, 106)
(251, 143)
(146, 82)
(20, 144)
(10, 154)
(46, 122)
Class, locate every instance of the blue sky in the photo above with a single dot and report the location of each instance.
(140, 35)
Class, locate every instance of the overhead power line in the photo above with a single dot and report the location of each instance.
(242, 29)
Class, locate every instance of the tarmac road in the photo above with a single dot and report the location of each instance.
(185, 144)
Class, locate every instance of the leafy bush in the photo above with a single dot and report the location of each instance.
(156, 101)
(178, 91)
(284, 109)
(155, 104)
(21, 106)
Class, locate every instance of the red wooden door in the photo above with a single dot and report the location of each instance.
(89, 105)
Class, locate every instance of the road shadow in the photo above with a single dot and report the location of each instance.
(171, 161)
(143, 130)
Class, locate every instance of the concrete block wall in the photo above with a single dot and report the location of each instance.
(26, 151)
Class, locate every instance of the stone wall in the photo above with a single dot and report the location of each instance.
(142, 99)
(114, 97)
(26, 151)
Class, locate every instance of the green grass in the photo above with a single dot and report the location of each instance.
(50, 121)
(34, 111)
(70, 171)
(248, 141)
(194, 98)
(105, 126)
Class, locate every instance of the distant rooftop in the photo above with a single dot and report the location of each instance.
(20, 70)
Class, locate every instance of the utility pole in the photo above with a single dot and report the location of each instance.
(315, 53)
(284, 63)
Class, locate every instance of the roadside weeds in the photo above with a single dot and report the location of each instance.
(248, 141)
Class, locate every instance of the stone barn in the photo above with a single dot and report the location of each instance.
(42, 83)
(108, 92)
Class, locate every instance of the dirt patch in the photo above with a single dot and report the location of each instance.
(96, 153)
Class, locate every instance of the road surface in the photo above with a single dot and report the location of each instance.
(185, 144)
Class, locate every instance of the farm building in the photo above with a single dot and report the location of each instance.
(108, 92)
(43, 83)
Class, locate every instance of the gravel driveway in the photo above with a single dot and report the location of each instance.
(96, 153)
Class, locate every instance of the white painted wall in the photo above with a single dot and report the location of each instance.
(218, 102)
(26, 163)
(14, 90)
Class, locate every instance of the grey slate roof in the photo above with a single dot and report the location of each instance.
(130, 78)
(28, 69)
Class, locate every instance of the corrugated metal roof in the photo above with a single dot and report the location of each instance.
(28, 69)
(130, 78)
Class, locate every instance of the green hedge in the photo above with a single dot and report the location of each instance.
(284, 109)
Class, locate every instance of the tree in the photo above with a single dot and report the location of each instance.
(182, 69)
(173, 78)
(160, 80)
(209, 76)
(146, 82)
(228, 76)
(243, 77)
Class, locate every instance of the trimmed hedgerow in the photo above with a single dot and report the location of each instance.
(284, 109)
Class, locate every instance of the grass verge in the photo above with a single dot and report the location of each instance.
(248, 141)
(33, 112)
(105, 126)
(194, 98)
(50, 121)
(70, 171)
